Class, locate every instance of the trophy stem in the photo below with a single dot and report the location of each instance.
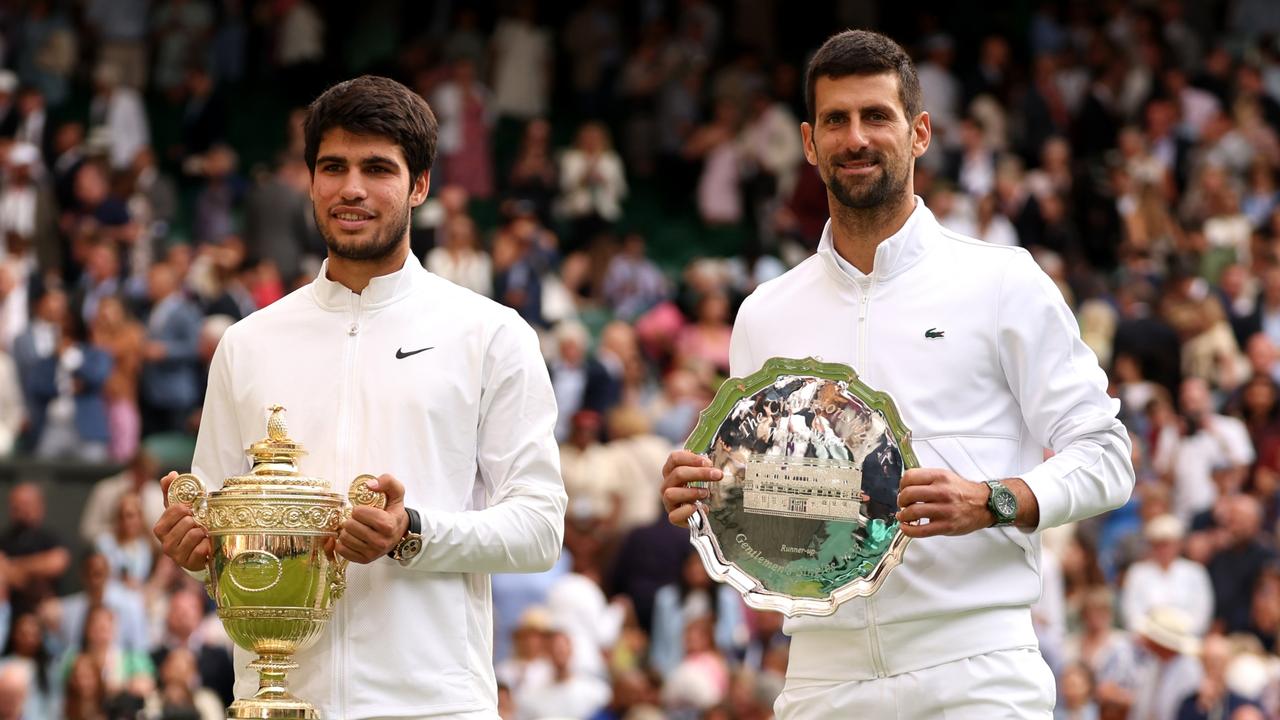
(273, 701)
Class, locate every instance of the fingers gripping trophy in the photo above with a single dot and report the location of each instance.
(273, 572)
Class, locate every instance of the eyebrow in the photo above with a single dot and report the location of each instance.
(369, 160)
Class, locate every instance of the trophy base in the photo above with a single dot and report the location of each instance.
(286, 708)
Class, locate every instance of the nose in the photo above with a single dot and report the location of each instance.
(353, 186)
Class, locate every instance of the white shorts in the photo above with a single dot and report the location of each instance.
(1014, 684)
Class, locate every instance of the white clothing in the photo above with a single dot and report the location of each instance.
(12, 404)
(125, 120)
(465, 424)
(1006, 684)
(1009, 377)
(581, 195)
(301, 35)
(1224, 442)
(1185, 585)
(521, 62)
(99, 511)
(577, 698)
(472, 270)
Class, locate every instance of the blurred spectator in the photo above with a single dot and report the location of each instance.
(179, 693)
(278, 224)
(569, 693)
(701, 680)
(529, 665)
(140, 478)
(579, 380)
(1166, 579)
(182, 30)
(463, 107)
(1208, 442)
(118, 116)
(534, 176)
(637, 456)
(523, 57)
(299, 47)
(12, 404)
(27, 205)
(32, 556)
(85, 696)
(124, 671)
(592, 186)
(633, 283)
(1238, 562)
(15, 684)
(26, 648)
(114, 331)
(169, 386)
(459, 258)
(715, 146)
(1164, 669)
(210, 662)
(523, 252)
(704, 345)
(1075, 695)
(678, 606)
(1213, 699)
(221, 193)
(128, 614)
(128, 547)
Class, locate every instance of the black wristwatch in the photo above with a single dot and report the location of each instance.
(411, 544)
(1002, 503)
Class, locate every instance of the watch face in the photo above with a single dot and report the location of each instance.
(410, 548)
(1006, 504)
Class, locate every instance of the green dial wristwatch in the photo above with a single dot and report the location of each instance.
(1002, 503)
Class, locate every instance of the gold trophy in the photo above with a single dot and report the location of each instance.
(273, 572)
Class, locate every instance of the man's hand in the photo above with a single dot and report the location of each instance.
(371, 533)
(682, 468)
(181, 537)
(953, 505)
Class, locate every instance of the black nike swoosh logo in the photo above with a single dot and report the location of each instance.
(401, 354)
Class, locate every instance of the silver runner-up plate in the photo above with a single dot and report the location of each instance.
(805, 517)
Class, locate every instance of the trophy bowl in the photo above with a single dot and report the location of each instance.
(805, 516)
(273, 572)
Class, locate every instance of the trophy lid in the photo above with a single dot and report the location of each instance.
(275, 459)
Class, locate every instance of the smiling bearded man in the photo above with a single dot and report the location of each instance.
(985, 363)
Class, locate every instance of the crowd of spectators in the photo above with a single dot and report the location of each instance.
(147, 203)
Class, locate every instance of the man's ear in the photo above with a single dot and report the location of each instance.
(806, 139)
(922, 134)
(418, 193)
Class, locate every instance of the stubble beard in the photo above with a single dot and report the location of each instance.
(380, 246)
(882, 191)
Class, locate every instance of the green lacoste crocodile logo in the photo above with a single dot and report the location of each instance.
(934, 333)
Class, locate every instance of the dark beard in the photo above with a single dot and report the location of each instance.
(382, 245)
(883, 190)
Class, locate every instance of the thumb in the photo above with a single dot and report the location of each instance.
(165, 482)
(389, 486)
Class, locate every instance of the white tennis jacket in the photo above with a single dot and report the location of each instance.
(984, 361)
(447, 391)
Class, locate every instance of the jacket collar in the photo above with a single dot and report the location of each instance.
(382, 290)
(895, 254)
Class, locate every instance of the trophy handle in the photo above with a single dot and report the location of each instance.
(359, 494)
(189, 490)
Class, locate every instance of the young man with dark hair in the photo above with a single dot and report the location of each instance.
(984, 361)
(386, 367)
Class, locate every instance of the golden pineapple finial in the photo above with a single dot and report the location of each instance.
(277, 430)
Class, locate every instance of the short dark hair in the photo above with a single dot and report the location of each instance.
(863, 52)
(373, 105)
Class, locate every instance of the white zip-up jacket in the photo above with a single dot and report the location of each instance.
(466, 424)
(984, 361)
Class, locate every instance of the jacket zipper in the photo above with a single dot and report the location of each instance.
(864, 309)
(344, 431)
(873, 639)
